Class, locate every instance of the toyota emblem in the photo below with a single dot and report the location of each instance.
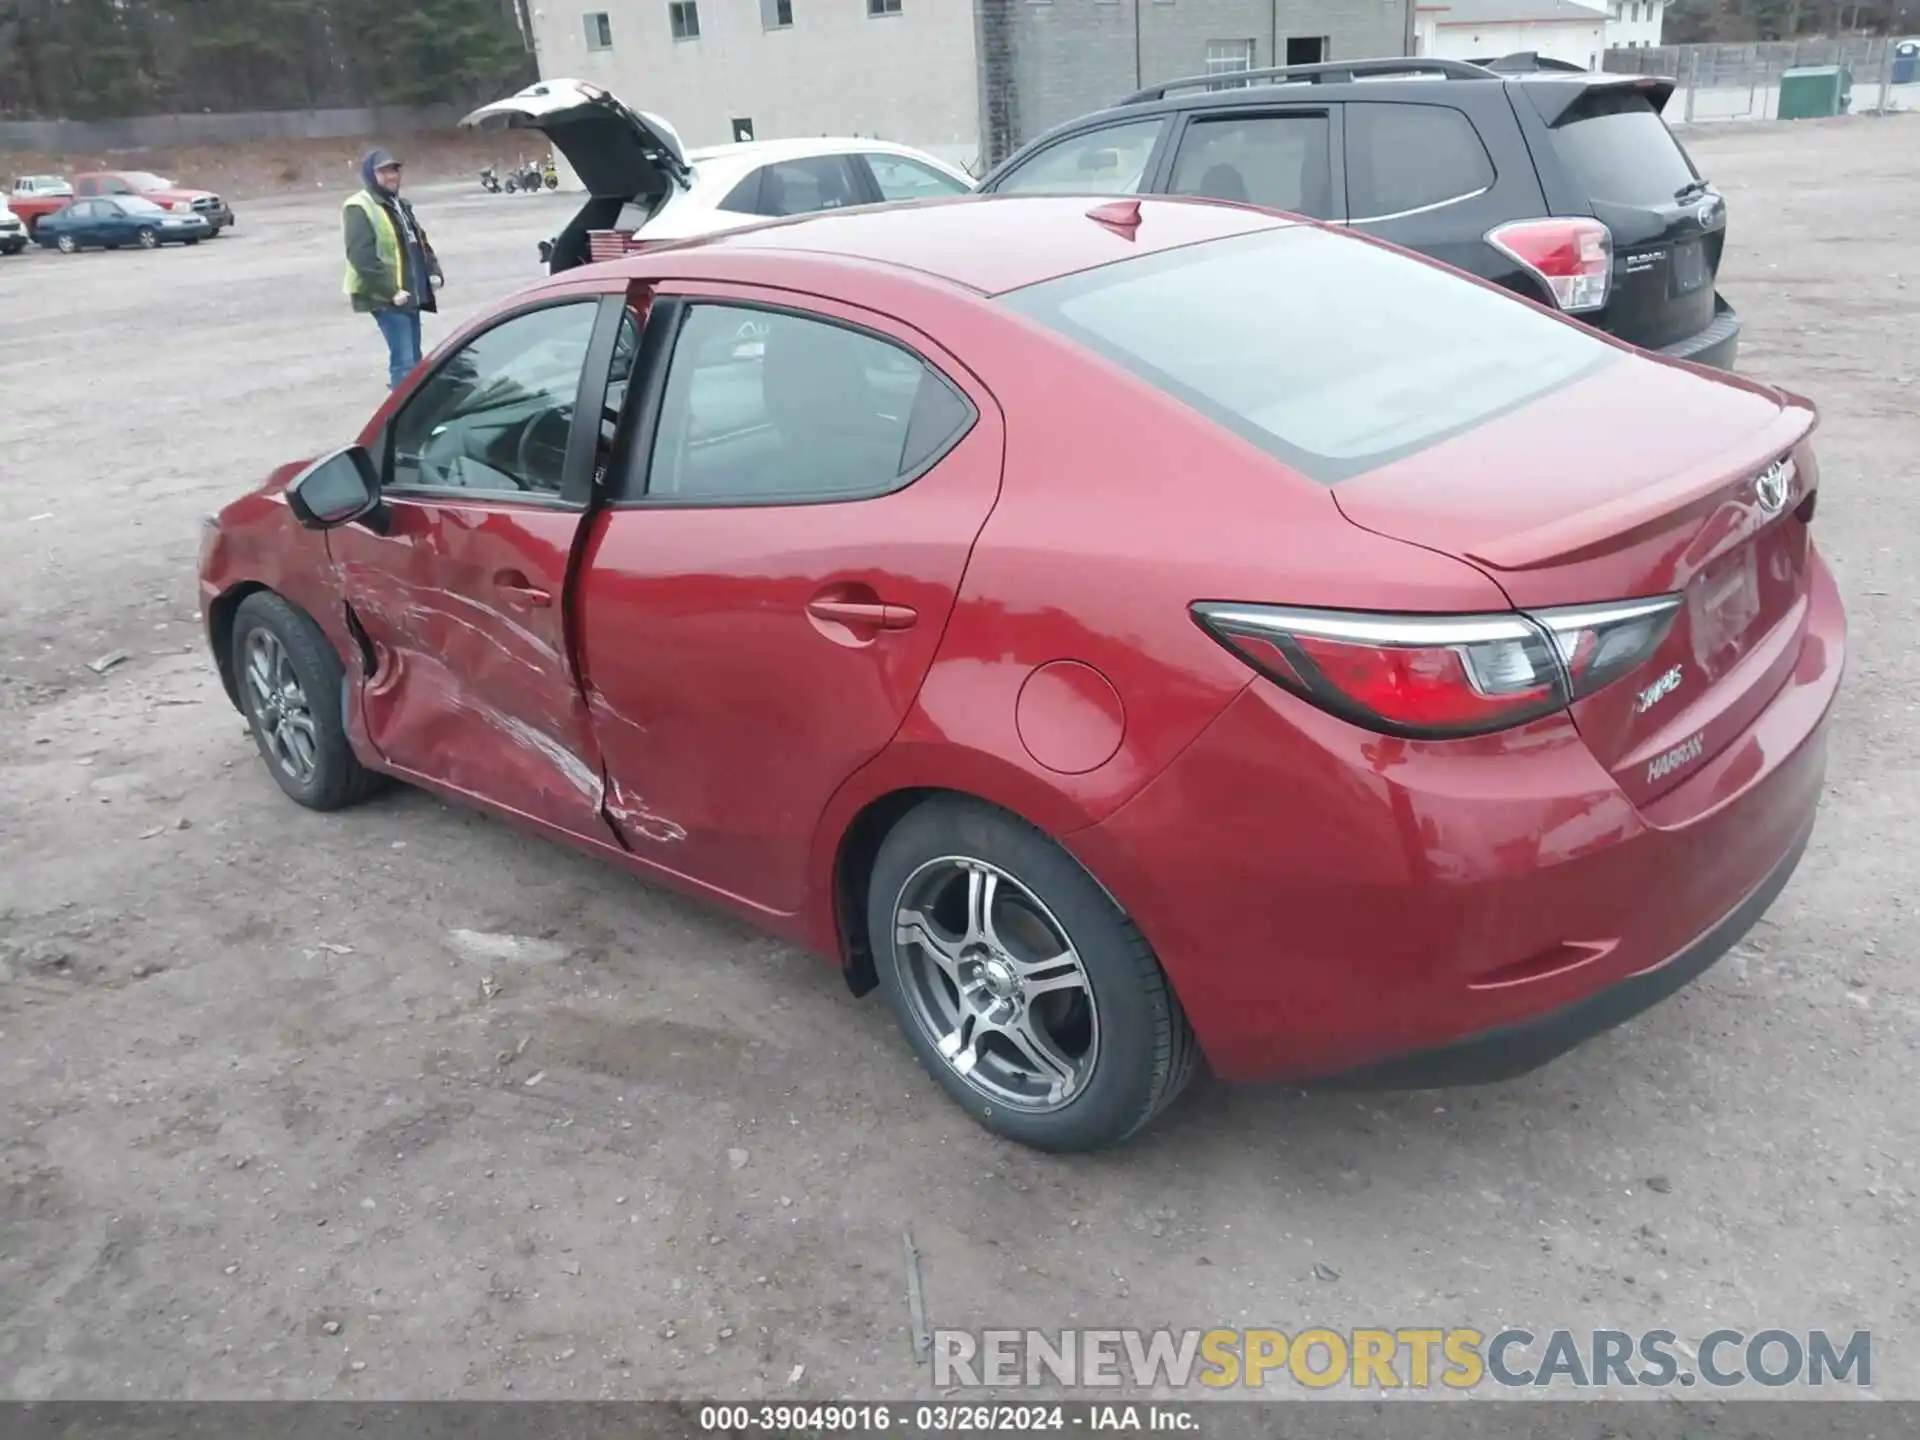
(1772, 487)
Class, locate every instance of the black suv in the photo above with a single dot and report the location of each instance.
(1562, 185)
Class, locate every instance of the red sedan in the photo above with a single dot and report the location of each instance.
(1117, 634)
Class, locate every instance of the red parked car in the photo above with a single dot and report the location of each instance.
(1117, 633)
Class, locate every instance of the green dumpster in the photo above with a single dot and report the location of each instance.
(1810, 91)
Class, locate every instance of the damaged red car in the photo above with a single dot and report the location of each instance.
(1120, 635)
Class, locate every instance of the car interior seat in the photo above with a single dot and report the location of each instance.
(1224, 182)
(773, 193)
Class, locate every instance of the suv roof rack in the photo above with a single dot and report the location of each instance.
(1523, 61)
(1333, 72)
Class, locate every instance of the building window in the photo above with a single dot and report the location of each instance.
(684, 17)
(1225, 57)
(776, 14)
(599, 31)
(877, 8)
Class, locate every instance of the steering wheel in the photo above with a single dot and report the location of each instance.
(525, 464)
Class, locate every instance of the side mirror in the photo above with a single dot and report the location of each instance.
(337, 490)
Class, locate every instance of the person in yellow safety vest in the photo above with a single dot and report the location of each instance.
(391, 268)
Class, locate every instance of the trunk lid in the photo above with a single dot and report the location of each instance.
(1623, 166)
(1706, 496)
(618, 153)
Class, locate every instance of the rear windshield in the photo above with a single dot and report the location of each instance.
(1616, 147)
(1332, 354)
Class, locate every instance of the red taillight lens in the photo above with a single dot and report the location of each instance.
(1441, 676)
(1573, 257)
(1434, 676)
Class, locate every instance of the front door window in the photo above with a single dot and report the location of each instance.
(495, 418)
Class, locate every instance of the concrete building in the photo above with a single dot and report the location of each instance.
(967, 80)
(1486, 29)
(1635, 24)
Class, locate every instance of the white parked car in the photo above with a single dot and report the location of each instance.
(639, 177)
(13, 235)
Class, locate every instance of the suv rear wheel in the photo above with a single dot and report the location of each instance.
(1024, 990)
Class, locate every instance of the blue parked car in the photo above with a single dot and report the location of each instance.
(122, 220)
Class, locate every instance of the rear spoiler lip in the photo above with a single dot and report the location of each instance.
(1554, 96)
(1562, 540)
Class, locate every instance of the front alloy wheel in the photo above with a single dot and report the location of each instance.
(278, 706)
(292, 688)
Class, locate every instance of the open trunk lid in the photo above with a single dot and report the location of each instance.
(618, 153)
(1643, 481)
(1615, 159)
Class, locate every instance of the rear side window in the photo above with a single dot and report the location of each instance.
(1112, 161)
(1616, 147)
(1332, 354)
(795, 187)
(1410, 157)
(769, 407)
(1279, 161)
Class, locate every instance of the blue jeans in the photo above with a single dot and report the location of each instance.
(402, 329)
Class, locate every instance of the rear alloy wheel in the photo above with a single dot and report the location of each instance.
(149, 239)
(68, 245)
(1025, 992)
(291, 686)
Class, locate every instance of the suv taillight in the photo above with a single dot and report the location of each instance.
(1442, 676)
(1573, 258)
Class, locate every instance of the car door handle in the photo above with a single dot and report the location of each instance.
(864, 612)
(519, 589)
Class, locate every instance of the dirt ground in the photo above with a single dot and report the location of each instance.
(263, 1132)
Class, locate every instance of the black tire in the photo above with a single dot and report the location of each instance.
(149, 238)
(337, 778)
(1145, 1048)
(67, 245)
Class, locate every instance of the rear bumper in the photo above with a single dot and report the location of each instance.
(1327, 901)
(1512, 1050)
(1716, 345)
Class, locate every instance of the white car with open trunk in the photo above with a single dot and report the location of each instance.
(644, 187)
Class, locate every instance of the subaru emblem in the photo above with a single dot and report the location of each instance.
(1772, 487)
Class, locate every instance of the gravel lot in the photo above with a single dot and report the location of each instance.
(262, 1133)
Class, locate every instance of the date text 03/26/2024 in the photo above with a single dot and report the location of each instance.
(943, 1418)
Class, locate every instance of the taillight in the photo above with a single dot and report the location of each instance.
(1572, 256)
(1441, 676)
(1599, 643)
